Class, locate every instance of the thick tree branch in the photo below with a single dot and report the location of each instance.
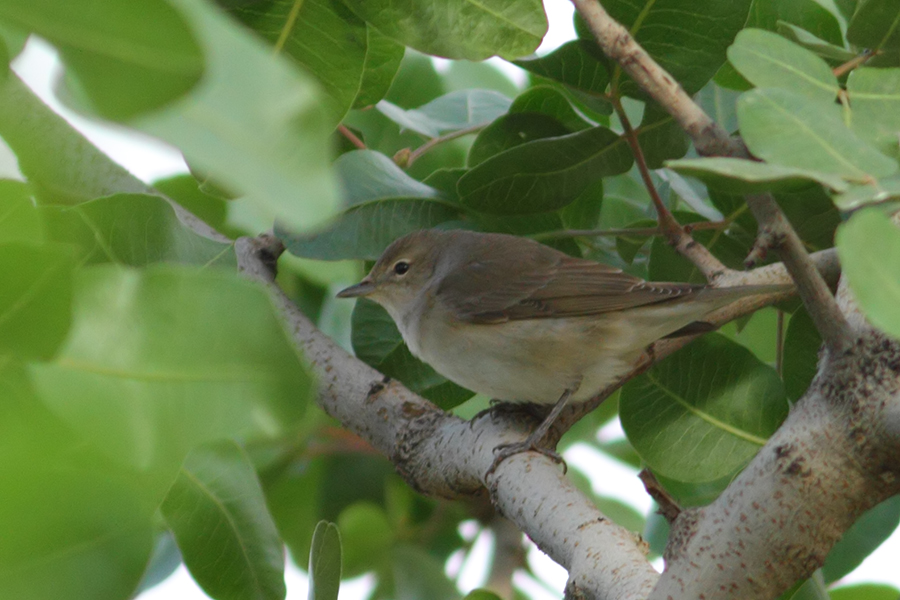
(711, 140)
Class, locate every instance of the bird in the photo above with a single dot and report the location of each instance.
(519, 321)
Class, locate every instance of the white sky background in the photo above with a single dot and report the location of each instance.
(150, 159)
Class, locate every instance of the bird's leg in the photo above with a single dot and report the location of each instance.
(533, 442)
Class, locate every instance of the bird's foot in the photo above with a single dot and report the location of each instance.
(504, 451)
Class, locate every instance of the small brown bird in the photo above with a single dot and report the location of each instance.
(519, 321)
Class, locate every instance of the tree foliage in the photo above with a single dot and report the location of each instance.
(151, 394)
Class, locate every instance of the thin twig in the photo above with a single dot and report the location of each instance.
(345, 131)
(711, 140)
(678, 238)
(668, 506)
(625, 231)
(854, 62)
(418, 152)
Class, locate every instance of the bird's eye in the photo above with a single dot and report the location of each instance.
(401, 267)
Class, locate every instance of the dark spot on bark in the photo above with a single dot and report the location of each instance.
(784, 450)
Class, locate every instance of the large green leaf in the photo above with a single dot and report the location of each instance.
(703, 412)
(688, 38)
(35, 298)
(377, 341)
(133, 229)
(857, 196)
(875, 25)
(216, 508)
(869, 247)
(254, 123)
(367, 175)
(74, 524)
(545, 174)
(768, 60)
(451, 112)
(325, 563)
(550, 101)
(19, 220)
(661, 138)
(61, 165)
(306, 31)
(459, 28)
(366, 229)
(809, 15)
(513, 130)
(166, 358)
(383, 58)
(788, 129)
(124, 58)
(741, 176)
(875, 107)
(579, 64)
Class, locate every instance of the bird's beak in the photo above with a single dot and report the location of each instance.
(363, 288)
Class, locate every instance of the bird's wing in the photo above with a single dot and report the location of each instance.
(517, 282)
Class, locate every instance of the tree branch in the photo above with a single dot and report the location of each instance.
(711, 140)
(676, 235)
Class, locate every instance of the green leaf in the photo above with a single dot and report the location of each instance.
(193, 195)
(869, 247)
(768, 60)
(545, 174)
(383, 58)
(875, 107)
(699, 429)
(325, 562)
(550, 101)
(512, 130)
(61, 165)
(579, 64)
(254, 123)
(875, 25)
(809, 15)
(35, 298)
(19, 220)
(74, 524)
(811, 589)
(163, 359)
(466, 75)
(451, 112)
(365, 230)
(125, 58)
(660, 137)
(812, 214)
(377, 341)
(133, 229)
(164, 560)
(419, 575)
(688, 38)
(368, 175)
(858, 542)
(816, 45)
(865, 591)
(367, 538)
(787, 129)
(457, 28)
(741, 176)
(720, 104)
(801, 355)
(307, 32)
(217, 511)
(857, 196)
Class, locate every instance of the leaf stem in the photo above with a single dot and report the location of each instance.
(418, 152)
